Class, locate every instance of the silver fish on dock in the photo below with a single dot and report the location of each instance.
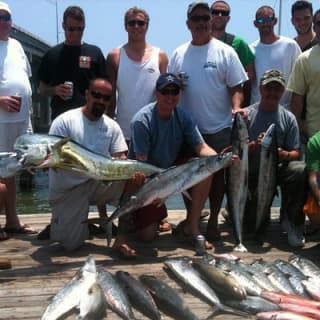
(116, 298)
(167, 299)
(306, 266)
(237, 178)
(138, 295)
(267, 175)
(93, 304)
(68, 298)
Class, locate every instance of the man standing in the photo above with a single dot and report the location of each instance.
(70, 194)
(304, 85)
(220, 11)
(271, 51)
(291, 173)
(212, 91)
(15, 101)
(301, 18)
(134, 69)
(71, 61)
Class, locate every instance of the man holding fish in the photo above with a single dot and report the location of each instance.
(274, 140)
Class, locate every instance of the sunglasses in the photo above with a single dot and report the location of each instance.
(217, 12)
(171, 92)
(73, 29)
(139, 23)
(264, 20)
(204, 18)
(6, 17)
(98, 95)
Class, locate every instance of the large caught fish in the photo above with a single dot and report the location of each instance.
(237, 178)
(167, 299)
(10, 164)
(69, 297)
(47, 151)
(167, 183)
(267, 175)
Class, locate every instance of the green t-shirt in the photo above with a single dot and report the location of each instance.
(243, 50)
(313, 152)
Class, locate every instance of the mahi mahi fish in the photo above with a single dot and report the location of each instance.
(48, 151)
(267, 176)
(69, 297)
(237, 178)
(167, 183)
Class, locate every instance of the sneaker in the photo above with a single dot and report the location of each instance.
(294, 238)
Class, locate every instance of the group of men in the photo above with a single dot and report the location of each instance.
(126, 106)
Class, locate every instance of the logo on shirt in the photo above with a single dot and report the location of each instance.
(210, 65)
(85, 62)
(151, 70)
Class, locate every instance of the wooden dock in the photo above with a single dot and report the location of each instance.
(41, 268)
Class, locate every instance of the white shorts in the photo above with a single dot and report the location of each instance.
(72, 208)
(9, 131)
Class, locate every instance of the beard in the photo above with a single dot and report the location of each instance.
(98, 109)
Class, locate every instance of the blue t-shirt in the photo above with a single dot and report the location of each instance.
(161, 139)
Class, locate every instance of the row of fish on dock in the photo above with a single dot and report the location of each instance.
(268, 290)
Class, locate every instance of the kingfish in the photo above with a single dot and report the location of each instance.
(138, 295)
(237, 178)
(46, 151)
(69, 297)
(306, 266)
(267, 175)
(167, 183)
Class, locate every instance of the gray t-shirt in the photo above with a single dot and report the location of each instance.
(161, 139)
(287, 131)
(103, 136)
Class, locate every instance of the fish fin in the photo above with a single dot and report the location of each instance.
(225, 309)
(187, 194)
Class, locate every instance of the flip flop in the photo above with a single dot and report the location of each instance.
(23, 229)
(123, 254)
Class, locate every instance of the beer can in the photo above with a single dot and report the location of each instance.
(200, 245)
(70, 85)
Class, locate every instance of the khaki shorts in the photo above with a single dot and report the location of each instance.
(72, 208)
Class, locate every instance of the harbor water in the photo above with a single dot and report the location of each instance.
(32, 195)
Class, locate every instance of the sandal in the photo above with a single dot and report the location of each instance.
(125, 252)
(23, 229)
(164, 226)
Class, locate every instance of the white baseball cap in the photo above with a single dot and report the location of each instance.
(5, 7)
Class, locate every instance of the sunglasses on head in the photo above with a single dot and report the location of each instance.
(204, 18)
(133, 23)
(264, 20)
(73, 29)
(6, 17)
(98, 95)
(171, 92)
(218, 12)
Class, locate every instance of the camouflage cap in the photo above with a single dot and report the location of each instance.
(273, 75)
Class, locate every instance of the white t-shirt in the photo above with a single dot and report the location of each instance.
(210, 69)
(15, 71)
(279, 55)
(103, 136)
(136, 82)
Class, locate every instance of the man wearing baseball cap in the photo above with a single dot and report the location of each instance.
(291, 176)
(15, 97)
(158, 131)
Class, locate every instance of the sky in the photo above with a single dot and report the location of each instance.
(167, 29)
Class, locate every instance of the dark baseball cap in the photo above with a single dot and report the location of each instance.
(166, 79)
(195, 4)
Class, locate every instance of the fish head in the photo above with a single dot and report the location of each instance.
(219, 161)
(269, 139)
(10, 164)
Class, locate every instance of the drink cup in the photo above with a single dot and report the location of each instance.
(70, 85)
(18, 98)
